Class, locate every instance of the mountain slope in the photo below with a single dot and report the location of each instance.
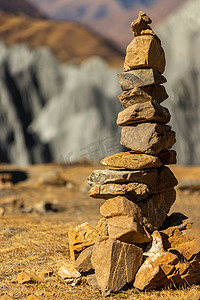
(69, 41)
(110, 18)
(21, 7)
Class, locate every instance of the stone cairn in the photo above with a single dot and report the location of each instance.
(135, 241)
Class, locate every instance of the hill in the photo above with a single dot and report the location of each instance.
(69, 41)
(21, 7)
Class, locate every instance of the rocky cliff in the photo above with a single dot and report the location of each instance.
(181, 41)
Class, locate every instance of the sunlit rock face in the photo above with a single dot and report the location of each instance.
(181, 42)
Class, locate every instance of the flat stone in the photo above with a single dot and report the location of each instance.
(145, 51)
(155, 209)
(149, 138)
(127, 230)
(139, 78)
(130, 160)
(81, 237)
(168, 157)
(158, 180)
(115, 263)
(141, 25)
(181, 236)
(134, 191)
(151, 275)
(144, 94)
(83, 263)
(143, 112)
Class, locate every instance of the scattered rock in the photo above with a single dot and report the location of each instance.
(149, 138)
(32, 297)
(26, 277)
(134, 191)
(139, 78)
(80, 238)
(6, 297)
(83, 263)
(131, 160)
(68, 271)
(145, 52)
(115, 263)
(143, 112)
(53, 178)
(144, 94)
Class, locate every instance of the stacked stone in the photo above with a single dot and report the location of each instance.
(138, 187)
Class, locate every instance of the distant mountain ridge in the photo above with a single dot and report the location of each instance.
(21, 7)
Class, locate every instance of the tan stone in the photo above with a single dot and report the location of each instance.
(155, 93)
(155, 209)
(140, 26)
(149, 138)
(6, 297)
(92, 281)
(167, 157)
(127, 230)
(83, 263)
(143, 112)
(151, 275)
(80, 238)
(32, 297)
(158, 180)
(134, 191)
(68, 273)
(145, 52)
(115, 263)
(130, 160)
(181, 237)
(139, 78)
(102, 227)
(26, 277)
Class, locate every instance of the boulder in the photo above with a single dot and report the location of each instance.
(115, 263)
(145, 52)
(139, 78)
(134, 191)
(158, 179)
(131, 160)
(143, 112)
(149, 138)
(83, 263)
(155, 93)
(81, 237)
(155, 209)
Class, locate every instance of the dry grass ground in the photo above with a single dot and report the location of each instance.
(33, 237)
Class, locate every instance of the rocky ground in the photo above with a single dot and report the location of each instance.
(40, 204)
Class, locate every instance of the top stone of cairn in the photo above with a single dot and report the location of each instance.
(145, 50)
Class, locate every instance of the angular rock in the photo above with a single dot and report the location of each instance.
(145, 52)
(134, 191)
(158, 180)
(181, 237)
(130, 160)
(83, 263)
(155, 209)
(26, 277)
(68, 273)
(139, 78)
(80, 238)
(155, 93)
(143, 112)
(149, 138)
(167, 157)
(127, 230)
(102, 227)
(140, 26)
(151, 275)
(115, 263)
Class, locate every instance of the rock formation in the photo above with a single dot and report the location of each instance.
(136, 241)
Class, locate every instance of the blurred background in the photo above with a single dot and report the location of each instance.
(58, 76)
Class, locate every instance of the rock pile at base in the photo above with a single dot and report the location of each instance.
(135, 241)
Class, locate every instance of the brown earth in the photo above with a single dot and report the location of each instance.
(40, 204)
(69, 41)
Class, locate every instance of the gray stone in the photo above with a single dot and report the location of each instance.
(138, 78)
(150, 138)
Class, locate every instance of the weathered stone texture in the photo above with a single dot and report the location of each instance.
(143, 112)
(83, 263)
(145, 52)
(140, 26)
(115, 263)
(130, 160)
(139, 78)
(150, 138)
